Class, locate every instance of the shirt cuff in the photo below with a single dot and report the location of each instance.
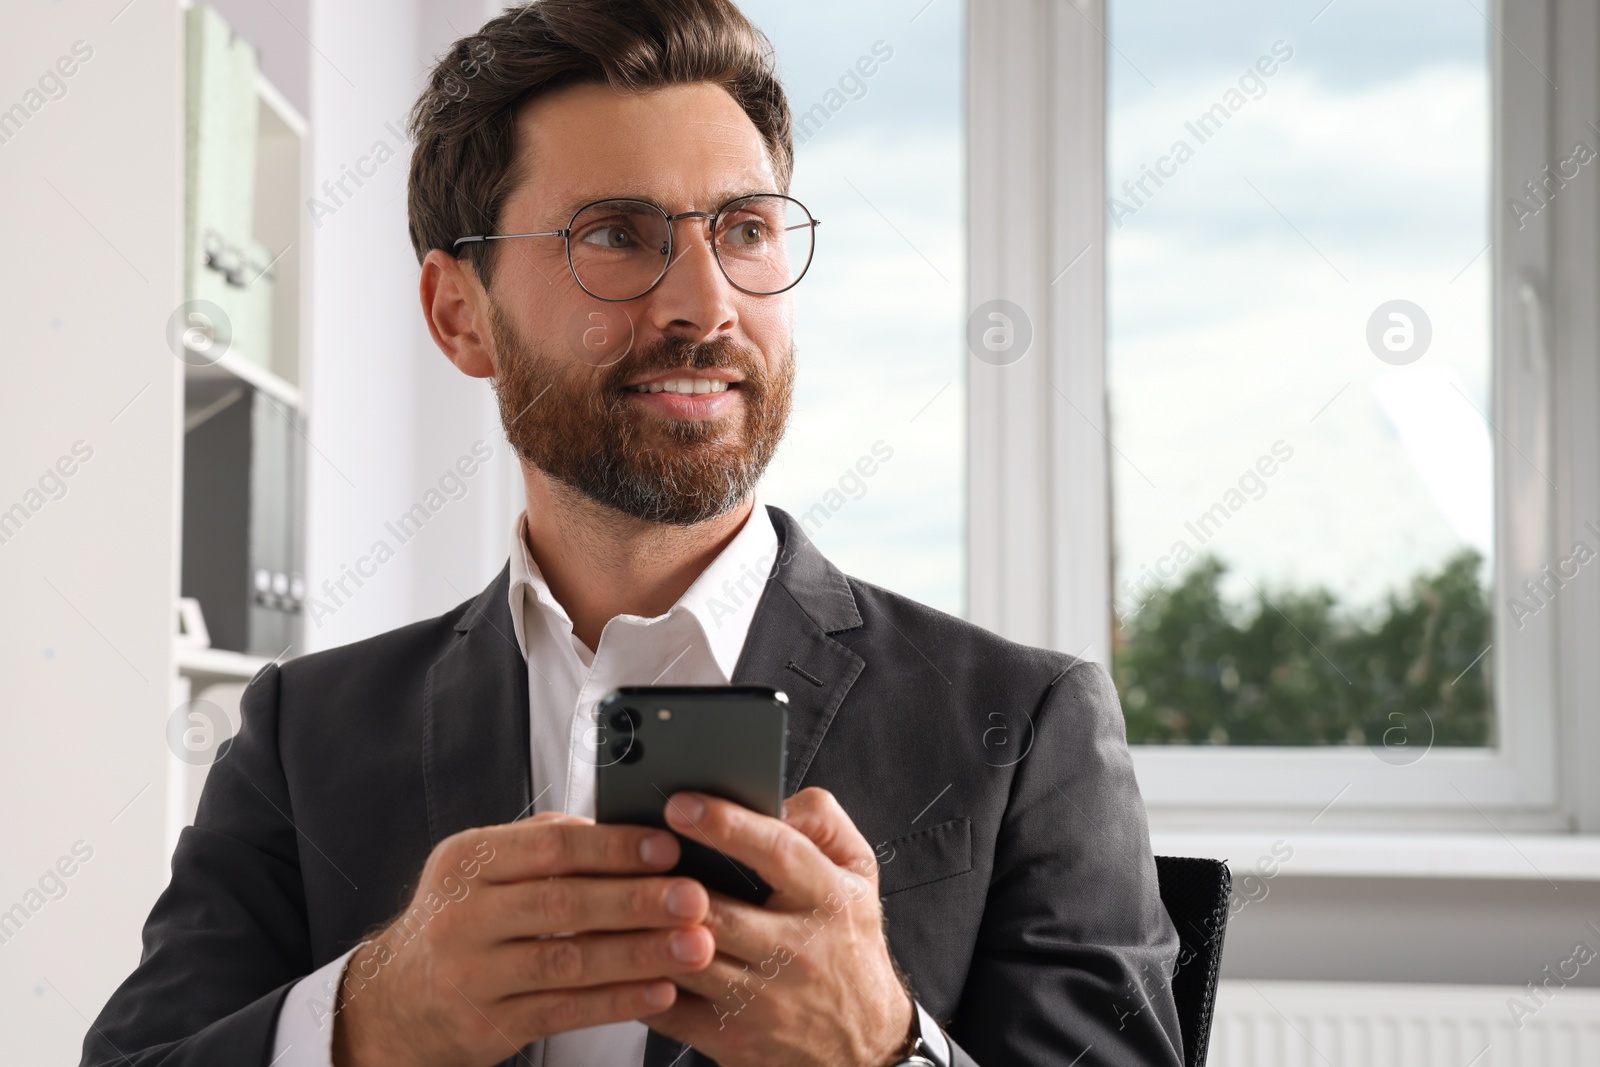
(305, 1024)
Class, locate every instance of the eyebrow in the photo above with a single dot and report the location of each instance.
(723, 196)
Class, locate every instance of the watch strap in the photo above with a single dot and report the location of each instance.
(935, 1044)
(929, 1047)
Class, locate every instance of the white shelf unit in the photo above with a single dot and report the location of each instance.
(214, 674)
(234, 366)
(214, 666)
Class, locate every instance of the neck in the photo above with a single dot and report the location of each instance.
(600, 563)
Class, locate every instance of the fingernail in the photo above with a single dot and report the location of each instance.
(683, 901)
(689, 806)
(659, 994)
(656, 849)
(685, 946)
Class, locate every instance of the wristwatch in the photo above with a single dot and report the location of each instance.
(926, 1046)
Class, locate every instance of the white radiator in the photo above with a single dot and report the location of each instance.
(1351, 1024)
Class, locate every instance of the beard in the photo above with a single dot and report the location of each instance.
(578, 424)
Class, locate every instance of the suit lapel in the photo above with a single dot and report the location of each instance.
(476, 754)
(790, 646)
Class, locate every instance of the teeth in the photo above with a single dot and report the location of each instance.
(684, 386)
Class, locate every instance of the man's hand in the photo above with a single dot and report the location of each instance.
(806, 980)
(471, 972)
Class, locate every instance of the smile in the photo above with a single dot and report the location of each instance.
(682, 386)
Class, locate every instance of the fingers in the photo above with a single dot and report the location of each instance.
(585, 960)
(562, 905)
(787, 859)
(818, 815)
(747, 932)
(543, 847)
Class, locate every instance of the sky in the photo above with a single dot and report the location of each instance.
(1240, 290)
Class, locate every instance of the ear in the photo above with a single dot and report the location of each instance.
(456, 308)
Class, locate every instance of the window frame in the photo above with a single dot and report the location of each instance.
(1039, 506)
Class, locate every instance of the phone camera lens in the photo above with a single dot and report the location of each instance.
(625, 720)
(627, 750)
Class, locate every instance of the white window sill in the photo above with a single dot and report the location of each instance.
(1552, 857)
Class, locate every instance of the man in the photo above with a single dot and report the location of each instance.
(597, 198)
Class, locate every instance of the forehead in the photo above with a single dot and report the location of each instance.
(683, 147)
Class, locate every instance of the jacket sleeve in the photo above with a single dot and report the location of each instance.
(228, 937)
(1075, 950)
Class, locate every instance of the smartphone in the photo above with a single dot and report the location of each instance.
(726, 741)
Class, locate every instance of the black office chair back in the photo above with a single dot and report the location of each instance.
(1195, 893)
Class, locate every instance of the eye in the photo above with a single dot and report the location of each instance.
(745, 233)
(611, 235)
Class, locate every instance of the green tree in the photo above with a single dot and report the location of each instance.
(1293, 669)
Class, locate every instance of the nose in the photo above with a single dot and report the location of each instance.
(694, 298)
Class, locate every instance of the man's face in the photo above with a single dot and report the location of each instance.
(579, 380)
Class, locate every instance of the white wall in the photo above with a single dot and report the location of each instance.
(91, 227)
(1429, 930)
(389, 414)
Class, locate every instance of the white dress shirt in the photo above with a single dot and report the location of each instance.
(697, 642)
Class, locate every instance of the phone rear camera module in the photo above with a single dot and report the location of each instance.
(625, 720)
(627, 750)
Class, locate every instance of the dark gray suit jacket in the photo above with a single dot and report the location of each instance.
(994, 779)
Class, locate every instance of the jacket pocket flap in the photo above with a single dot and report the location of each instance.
(924, 856)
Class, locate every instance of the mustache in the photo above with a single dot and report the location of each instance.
(682, 353)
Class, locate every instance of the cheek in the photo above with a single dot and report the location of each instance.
(554, 317)
(535, 283)
(595, 333)
(769, 324)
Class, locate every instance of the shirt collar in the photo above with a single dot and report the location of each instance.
(722, 599)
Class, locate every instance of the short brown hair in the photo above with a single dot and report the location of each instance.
(463, 124)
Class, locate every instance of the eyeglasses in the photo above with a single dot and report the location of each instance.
(619, 249)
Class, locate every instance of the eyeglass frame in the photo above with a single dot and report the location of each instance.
(566, 236)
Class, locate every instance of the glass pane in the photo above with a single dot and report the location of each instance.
(873, 463)
(1299, 371)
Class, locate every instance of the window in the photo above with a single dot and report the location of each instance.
(872, 465)
(1205, 217)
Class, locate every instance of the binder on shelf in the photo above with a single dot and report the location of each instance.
(252, 325)
(224, 264)
(243, 484)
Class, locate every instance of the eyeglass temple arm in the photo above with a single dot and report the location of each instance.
(503, 236)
